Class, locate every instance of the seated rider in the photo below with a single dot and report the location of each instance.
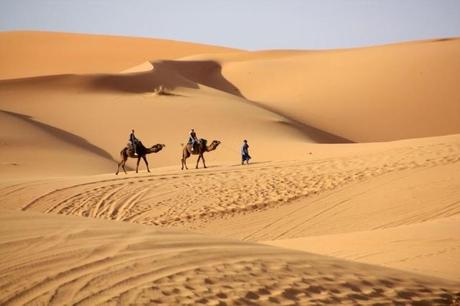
(192, 139)
(133, 140)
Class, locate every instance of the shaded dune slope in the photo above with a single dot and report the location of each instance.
(172, 75)
(61, 135)
(209, 73)
(114, 104)
(27, 54)
(26, 141)
(357, 94)
(361, 95)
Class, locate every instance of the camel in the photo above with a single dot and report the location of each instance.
(142, 151)
(199, 150)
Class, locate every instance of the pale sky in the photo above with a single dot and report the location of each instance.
(245, 24)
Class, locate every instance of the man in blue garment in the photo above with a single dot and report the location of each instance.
(245, 153)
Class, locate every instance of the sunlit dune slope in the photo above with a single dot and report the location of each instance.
(430, 247)
(103, 108)
(57, 260)
(26, 54)
(364, 94)
(370, 94)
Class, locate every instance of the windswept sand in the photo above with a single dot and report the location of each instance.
(315, 219)
(405, 188)
(48, 259)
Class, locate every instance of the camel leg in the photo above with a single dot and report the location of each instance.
(146, 163)
(118, 169)
(198, 160)
(122, 164)
(204, 163)
(184, 163)
(185, 155)
(137, 165)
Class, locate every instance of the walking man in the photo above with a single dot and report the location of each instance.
(245, 157)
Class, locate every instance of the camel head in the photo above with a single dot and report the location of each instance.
(214, 144)
(157, 148)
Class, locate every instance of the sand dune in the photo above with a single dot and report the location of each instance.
(27, 54)
(364, 94)
(71, 232)
(58, 260)
(31, 148)
(117, 103)
(286, 199)
(417, 247)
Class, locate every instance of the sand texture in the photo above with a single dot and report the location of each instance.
(352, 195)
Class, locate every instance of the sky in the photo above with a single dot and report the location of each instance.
(244, 24)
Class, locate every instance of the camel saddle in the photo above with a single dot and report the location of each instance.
(199, 143)
(130, 148)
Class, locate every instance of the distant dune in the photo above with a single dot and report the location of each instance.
(371, 94)
(27, 54)
(352, 195)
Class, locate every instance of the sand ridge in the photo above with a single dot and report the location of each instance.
(33, 53)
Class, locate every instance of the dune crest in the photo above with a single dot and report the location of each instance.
(28, 53)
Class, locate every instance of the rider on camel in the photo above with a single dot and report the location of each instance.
(192, 139)
(134, 141)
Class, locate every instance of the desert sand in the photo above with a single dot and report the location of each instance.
(352, 196)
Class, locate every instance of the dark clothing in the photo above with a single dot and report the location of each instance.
(134, 141)
(245, 149)
(133, 138)
(192, 140)
(245, 153)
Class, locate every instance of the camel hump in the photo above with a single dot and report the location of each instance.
(203, 141)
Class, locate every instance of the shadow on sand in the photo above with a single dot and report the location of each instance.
(62, 135)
